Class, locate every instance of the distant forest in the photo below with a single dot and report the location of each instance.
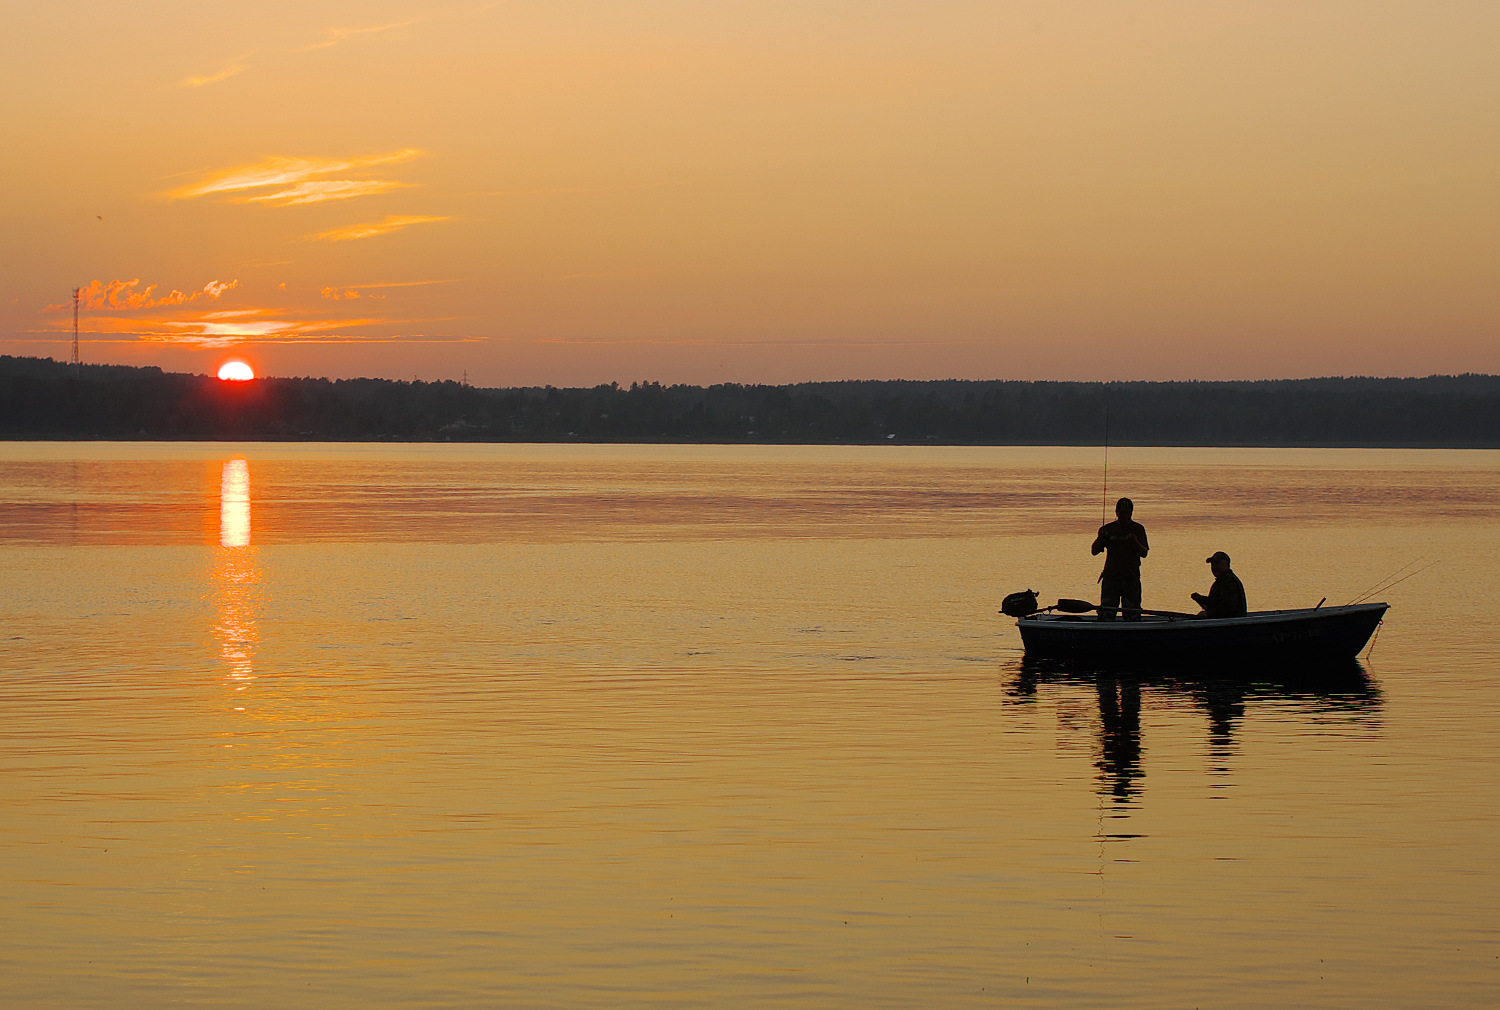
(43, 398)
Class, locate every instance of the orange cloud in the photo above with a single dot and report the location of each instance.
(122, 295)
(339, 293)
(290, 173)
(218, 332)
(330, 189)
(221, 329)
(259, 325)
(122, 311)
(398, 284)
(392, 222)
(338, 35)
(233, 67)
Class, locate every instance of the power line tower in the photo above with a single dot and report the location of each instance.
(76, 362)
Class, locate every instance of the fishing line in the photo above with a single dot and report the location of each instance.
(1403, 578)
(1376, 587)
(1392, 581)
(1382, 587)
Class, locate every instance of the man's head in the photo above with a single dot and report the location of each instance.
(1124, 508)
(1218, 562)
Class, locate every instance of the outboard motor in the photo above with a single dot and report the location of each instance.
(1019, 604)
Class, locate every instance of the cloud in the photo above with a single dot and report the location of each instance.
(116, 295)
(339, 35)
(391, 222)
(230, 69)
(255, 326)
(291, 173)
(329, 189)
(219, 332)
(334, 37)
(766, 342)
(349, 291)
(123, 313)
(213, 331)
(220, 329)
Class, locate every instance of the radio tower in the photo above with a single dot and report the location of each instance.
(76, 362)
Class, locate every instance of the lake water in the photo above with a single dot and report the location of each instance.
(657, 726)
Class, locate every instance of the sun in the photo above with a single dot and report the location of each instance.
(236, 371)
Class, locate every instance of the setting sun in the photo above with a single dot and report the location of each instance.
(236, 371)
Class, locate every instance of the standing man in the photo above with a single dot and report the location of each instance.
(1123, 543)
(1226, 597)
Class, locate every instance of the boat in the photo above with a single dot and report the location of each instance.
(1308, 634)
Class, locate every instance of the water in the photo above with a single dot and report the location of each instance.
(542, 726)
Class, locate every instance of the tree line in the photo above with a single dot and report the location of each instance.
(43, 398)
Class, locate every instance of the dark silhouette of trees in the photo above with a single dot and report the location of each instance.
(42, 398)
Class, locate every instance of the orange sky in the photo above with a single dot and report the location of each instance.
(756, 190)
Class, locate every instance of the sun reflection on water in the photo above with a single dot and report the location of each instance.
(235, 575)
(234, 504)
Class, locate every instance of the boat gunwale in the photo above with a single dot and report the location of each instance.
(1157, 622)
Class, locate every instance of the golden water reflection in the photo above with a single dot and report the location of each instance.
(234, 504)
(235, 576)
(1337, 693)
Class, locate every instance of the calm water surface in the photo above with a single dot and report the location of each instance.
(542, 726)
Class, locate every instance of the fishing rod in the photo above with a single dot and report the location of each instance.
(1104, 504)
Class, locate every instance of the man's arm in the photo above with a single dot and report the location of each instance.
(1215, 604)
(1099, 541)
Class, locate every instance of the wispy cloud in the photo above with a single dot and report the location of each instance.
(346, 292)
(327, 189)
(212, 331)
(235, 66)
(335, 36)
(332, 37)
(290, 173)
(571, 190)
(121, 312)
(768, 342)
(402, 284)
(219, 328)
(117, 295)
(391, 222)
(262, 327)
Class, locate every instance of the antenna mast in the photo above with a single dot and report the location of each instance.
(76, 361)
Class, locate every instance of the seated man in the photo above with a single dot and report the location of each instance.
(1226, 597)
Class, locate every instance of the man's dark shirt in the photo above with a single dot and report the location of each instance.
(1226, 598)
(1122, 559)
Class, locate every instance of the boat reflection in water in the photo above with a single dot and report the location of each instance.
(1333, 690)
(235, 575)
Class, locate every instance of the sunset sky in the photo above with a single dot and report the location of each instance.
(580, 191)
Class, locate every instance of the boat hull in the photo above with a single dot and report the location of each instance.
(1308, 635)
